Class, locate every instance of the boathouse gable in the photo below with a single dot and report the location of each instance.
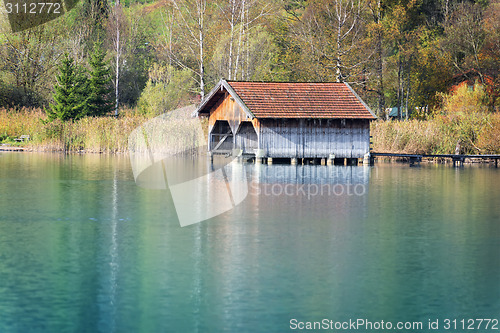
(227, 109)
(230, 123)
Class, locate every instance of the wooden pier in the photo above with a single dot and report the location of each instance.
(10, 148)
(369, 159)
(457, 159)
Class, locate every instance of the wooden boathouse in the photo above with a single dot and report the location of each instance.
(297, 121)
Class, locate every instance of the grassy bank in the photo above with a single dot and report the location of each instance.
(477, 133)
(97, 135)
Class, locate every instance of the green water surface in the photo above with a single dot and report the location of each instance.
(84, 249)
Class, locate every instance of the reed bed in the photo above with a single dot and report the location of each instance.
(91, 134)
(476, 133)
(174, 132)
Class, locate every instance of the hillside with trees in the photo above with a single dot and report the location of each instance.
(148, 57)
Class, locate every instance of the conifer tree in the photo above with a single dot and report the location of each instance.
(69, 92)
(99, 89)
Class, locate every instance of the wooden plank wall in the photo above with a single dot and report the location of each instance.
(314, 138)
(246, 138)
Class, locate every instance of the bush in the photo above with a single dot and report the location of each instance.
(465, 101)
(167, 89)
(489, 139)
(464, 117)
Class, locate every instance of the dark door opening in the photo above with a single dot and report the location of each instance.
(221, 137)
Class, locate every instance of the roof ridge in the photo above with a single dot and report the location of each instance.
(287, 82)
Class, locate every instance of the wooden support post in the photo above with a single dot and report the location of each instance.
(366, 159)
(260, 156)
(458, 161)
(331, 159)
(496, 162)
(293, 161)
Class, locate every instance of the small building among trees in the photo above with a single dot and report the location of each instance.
(287, 120)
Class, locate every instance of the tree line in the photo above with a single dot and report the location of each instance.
(167, 53)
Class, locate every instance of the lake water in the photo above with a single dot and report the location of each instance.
(84, 249)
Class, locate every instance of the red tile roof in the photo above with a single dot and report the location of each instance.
(301, 100)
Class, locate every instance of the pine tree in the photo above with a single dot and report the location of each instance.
(82, 91)
(98, 101)
(69, 92)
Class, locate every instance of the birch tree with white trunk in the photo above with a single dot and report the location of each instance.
(191, 18)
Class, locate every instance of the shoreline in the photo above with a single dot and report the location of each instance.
(6, 148)
(434, 160)
(385, 159)
(27, 149)
(109, 135)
